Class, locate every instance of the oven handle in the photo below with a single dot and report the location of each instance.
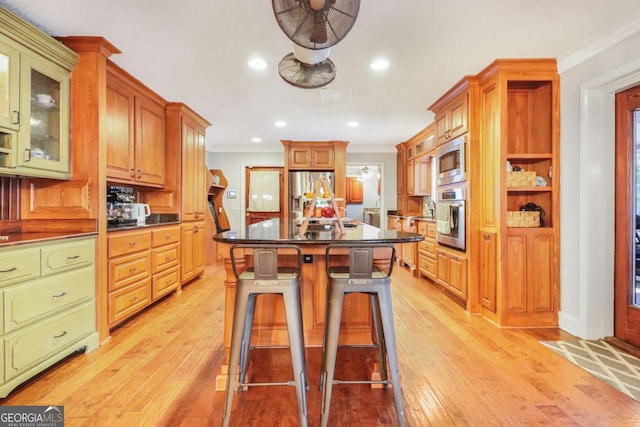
(455, 204)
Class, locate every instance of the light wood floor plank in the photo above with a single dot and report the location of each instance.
(159, 369)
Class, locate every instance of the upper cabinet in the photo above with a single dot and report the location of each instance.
(308, 157)
(136, 147)
(451, 118)
(35, 74)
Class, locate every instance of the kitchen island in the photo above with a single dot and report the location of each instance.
(270, 323)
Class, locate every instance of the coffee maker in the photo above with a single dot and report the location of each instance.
(119, 206)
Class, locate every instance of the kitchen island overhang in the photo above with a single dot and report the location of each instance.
(269, 328)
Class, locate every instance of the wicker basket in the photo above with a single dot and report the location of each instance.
(523, 219)
(521, 179)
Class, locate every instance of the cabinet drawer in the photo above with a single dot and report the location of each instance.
(429, 247)
(128, 269)
(33, 344)
(19, 265)
(165, 236)
(129, 243)
(165, 282)
(428, 265)
(165, 257)
(422, 228)
(67, 256)
(128, 301)
(24, 304)
(431, 230)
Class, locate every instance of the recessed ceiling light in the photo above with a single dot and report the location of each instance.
(353, 124)
(257, 64)
(256, 139)
(280, 124)
(380, 64)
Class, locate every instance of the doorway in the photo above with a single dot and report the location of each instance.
(264, 193)
(627, 223)
(368, 207)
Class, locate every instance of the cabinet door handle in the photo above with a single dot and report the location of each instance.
(59, 295)
(28, 153)
(486, 236)
(16, 117)
(9, 270)
(132, 173)
(61, 335)
(139, 173)
(73, 257)
(195, 229)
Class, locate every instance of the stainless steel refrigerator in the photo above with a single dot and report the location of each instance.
(300, 183)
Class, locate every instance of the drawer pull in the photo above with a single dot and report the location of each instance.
(73, 257)
(133, 243)
(169, 282)
(134, 299)
(133, 269)
(59, 295)
(167, 236)
(167, 258)
(9, 270)
(61, 335)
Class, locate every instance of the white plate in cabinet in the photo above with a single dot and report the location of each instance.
(165, 282)
(19, 265)
(27, 303)
(33, 344)
(67, 256)
(124, 271)
(128, 301)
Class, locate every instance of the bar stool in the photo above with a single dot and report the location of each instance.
(266, 277)
(360, 276)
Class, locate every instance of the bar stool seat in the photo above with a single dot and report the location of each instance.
(361, 276)
(266, 277)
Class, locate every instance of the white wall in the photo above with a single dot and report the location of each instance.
(233, 166)
(587, 185)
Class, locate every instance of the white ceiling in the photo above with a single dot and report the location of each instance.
(196, 52)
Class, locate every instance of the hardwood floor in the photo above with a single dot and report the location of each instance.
(159, 369)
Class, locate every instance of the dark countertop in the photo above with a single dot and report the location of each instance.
(270, 231)
(154, 220)
(24, 238)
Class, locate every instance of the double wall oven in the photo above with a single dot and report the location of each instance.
(451, 200)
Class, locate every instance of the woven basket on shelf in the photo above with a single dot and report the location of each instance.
(523, 219)
(521, 179)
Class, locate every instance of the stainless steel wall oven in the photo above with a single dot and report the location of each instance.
(450, 218)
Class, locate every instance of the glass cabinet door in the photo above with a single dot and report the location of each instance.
(9, 85)
(44, 133)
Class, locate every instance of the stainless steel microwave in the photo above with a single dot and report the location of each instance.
(450, 161)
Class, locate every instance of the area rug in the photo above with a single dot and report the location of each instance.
(616, 368)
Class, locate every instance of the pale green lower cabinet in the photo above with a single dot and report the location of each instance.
(48, 306)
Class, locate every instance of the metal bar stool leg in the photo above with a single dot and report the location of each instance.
(246, 337)
(386, 312)
(332, 328)
(296, 345)
(380, 342)
(240, 311)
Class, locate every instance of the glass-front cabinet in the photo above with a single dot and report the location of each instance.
(35, 109)
(44, 134)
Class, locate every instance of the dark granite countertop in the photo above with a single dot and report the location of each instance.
(154, 220)
(271, 231)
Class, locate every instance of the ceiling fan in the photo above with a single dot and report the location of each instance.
(316, 24)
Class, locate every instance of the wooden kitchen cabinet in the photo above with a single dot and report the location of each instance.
(519, 123)
(187, 129)
(409, 250)
(35, 113)
(165, 260)
(452, 273)
(49, 308)
(193, 250)
(136, 147)
(427, 254)
(451, 118)
(308, 157)
(354, 190)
